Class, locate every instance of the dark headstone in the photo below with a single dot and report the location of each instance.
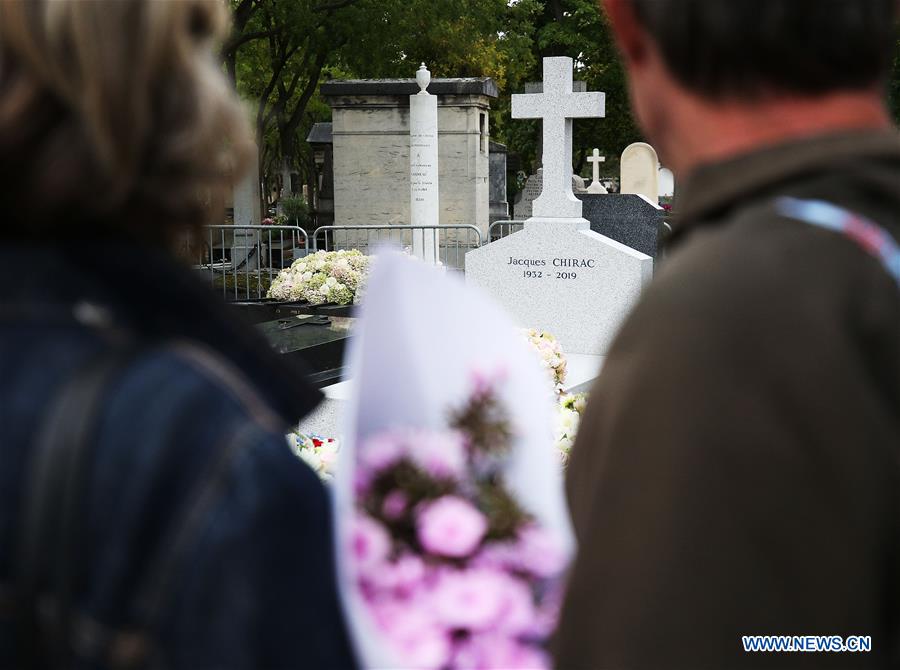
(321, 139)
(321, 133)
(534, 186)
(628, 219)
(317, 341)
(498, 203)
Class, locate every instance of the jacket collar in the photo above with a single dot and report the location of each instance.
(714, 188)
(151, 294)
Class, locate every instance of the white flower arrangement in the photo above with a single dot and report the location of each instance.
(333, 277)
(552, 357)
(570, 406)
(570, 411)
(319, 453)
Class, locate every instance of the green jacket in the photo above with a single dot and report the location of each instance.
(738, 468)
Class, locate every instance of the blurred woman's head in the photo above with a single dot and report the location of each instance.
(114, 117)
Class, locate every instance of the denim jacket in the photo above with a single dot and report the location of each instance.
(197, 511)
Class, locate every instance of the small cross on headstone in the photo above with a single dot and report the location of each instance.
(596, 186)
(557, 106)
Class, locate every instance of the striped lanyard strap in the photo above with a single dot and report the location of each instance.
(868, 234)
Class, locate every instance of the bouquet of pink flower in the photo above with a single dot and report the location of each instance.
(452, 523)
(454, 572)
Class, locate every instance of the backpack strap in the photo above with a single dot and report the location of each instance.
(49, 567)
(866, 233)
(50, 556)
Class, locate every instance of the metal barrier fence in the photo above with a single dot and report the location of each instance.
(244, 260)
(501, 229)
(447, 245)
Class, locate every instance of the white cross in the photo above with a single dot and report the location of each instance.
(596, 159)
(557, 106)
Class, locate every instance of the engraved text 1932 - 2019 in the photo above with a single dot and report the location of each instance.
(552, 268)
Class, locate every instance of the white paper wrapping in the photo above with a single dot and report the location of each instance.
(420, 335)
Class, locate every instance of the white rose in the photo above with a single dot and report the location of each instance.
(567, 421)
(565, 445)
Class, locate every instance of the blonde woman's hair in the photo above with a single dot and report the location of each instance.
(115, 117)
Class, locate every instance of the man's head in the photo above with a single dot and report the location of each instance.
(732, 54)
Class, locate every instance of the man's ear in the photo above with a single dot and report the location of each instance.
(631, 37)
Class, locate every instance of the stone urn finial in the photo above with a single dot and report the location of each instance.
(423, 79)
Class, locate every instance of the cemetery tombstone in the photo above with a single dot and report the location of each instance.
(666, 183)
(532, 191)
(322, 144)
(631, 219)
(557, 274)
(423, 170)
(534, 87)
(640, 171)
(247, 212)
(596, 187)
(247, 203)
(499, 204)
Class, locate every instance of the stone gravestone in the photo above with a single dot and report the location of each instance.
(499, 204)
(596, 187)
(322, 145)
(538, 87)
(630, 219)
(666, 183)
(557, 274)
(640, 171)
(247, 212)
(247, 201)
(425, 203)
(525, 199)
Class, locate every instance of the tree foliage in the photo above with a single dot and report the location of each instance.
(278, 55)
(282, 50)
(578, 29)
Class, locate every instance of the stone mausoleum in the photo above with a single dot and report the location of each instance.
(370, 135)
